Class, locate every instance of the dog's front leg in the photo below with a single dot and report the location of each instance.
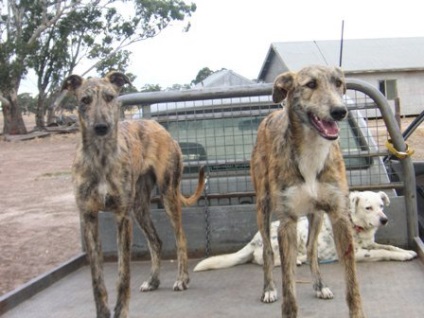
(346, 253)
(124, 225)
(315, 223)
(287, 241)
(95, 257)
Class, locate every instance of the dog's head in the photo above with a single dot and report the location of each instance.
(366, 209)
(315, 94)
(98, 107)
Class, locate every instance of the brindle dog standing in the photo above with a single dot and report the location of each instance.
(117, 164)
(297, 168)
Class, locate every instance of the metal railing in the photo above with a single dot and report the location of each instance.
(188, 115)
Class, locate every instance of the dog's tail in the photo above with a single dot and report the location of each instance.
(242, 256)
(200, 186)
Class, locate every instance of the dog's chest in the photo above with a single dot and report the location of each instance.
(311, 163)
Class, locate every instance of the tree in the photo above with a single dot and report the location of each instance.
(52, 37)
(21, 24)
(151, 88)
(202, 74)
(27, 103)
(178, 87)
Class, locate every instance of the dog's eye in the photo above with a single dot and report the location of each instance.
(86, 100)
(109, 97)
(368, 208)
(339, 83)
(312, 84)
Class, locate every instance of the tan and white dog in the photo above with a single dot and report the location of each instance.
(367, 215)
(297, 169)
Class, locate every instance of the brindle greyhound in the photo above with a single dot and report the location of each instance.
(297, 168)
(117, 164)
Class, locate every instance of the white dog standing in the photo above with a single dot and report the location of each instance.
(367, 215)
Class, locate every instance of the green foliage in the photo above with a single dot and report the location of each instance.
(53, 37)
(151, 88)
(27, 103)
(179, 87)
(202, 74)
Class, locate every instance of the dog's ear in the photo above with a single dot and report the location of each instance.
(118, 79)
(72, 82)
(384, 197)
(282, 85)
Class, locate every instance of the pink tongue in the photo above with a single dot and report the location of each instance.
(327, 128)
(330, 127)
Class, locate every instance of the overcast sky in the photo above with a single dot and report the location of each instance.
(236, 34)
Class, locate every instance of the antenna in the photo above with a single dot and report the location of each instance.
(341, 46)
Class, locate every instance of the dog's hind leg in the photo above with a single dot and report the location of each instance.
(315, 222)
(144, 220)
(346, 253)
(173, 208)
(269, 294)
(124, 225)
(287, 241)
(93, 248)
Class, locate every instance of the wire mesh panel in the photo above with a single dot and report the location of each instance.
(216, 128)
(363, 138)
(218, 132)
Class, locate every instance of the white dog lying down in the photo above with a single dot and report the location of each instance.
(366, 212)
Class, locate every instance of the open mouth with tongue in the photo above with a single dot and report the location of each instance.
(328, 129)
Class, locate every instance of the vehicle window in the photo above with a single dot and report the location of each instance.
(222, 138)
(229, 140)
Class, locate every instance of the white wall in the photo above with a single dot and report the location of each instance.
(410, 86)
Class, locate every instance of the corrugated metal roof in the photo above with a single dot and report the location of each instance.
(224, 78)
(358, 55)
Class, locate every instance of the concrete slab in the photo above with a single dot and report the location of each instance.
(389, 289)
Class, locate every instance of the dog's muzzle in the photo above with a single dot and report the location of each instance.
(328, 128)
(101, 129)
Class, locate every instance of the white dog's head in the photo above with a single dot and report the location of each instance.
(366, 209)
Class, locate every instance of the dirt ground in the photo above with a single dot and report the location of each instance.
(39, 223)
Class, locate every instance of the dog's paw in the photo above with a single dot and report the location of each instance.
(300, 260)
(324, 293)
(180, 285)
(409, 255)
(103, 313)
(149, 285)
(269, 296)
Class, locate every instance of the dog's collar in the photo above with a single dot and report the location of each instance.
(358, 229)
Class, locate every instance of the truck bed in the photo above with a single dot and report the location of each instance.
(389, 289)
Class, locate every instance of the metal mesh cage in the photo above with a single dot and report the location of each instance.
(217, 129)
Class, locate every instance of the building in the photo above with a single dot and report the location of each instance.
(394, 65)
(224, 78)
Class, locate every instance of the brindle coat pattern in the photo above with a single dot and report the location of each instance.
(295, 171)
(116, 166)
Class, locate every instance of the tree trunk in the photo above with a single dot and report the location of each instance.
(12, 116)
(40, 112)
(53, 108)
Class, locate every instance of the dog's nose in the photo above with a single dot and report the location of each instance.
(101, 129)
(384, 221)
(338, 113)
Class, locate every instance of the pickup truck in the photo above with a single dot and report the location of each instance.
(216, 128)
